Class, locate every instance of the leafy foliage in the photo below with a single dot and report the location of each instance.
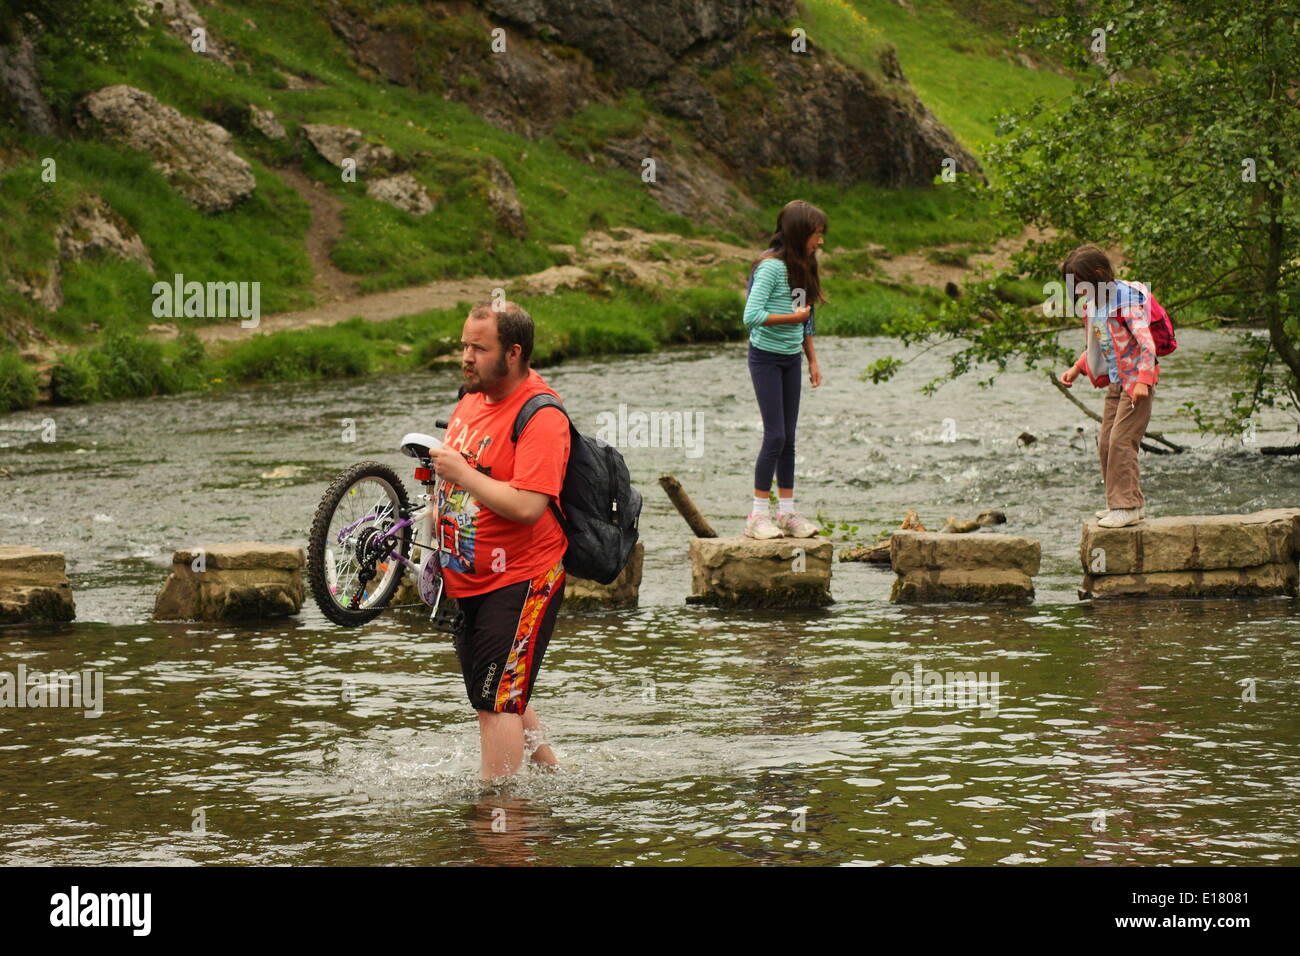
(1179, 148)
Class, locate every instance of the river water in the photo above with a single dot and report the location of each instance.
(1118, 733)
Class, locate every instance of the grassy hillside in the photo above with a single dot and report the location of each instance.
(958, 59)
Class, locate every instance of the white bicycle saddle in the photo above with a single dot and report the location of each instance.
(419, 445)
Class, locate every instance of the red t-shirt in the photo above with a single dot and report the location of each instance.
(481, 550)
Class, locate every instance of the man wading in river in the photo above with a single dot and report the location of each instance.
(502, 546)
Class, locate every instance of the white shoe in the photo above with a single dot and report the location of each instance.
(1142, 512)
(1121, 518)
(761, 526)
(795, 525)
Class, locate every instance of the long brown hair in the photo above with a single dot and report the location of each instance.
(1088, 264)
(795, 224)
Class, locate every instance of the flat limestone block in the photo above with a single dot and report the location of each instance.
(937, 551)
(30, 562)
(34, 587)
(623, 591)
(974, 586)
(1192, 543)
(742, 572)
(247, 580)
(244, 554)
(1264, 580)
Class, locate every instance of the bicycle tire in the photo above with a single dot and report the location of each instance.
(318, 543)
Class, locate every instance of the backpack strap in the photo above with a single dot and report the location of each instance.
(531, 408)
(525, 415)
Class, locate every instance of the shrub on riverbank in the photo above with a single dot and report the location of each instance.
(17, 382)
(128, 366)
(299, 355)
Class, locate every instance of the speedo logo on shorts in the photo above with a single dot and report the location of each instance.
(488, 680)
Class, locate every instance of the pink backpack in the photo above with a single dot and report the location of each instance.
(1162, 327)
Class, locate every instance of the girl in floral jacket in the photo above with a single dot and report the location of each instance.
(1120, 355)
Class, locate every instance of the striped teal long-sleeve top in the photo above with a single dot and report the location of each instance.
(769, 294)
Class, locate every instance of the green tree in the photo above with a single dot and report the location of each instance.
(1181, 145)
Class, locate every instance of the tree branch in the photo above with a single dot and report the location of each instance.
(1155, 436)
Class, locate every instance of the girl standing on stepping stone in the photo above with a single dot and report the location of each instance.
(779, 330)
(1120, 355)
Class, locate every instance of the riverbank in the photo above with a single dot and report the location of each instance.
(627, 292)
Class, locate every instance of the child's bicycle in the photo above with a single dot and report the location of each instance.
(363, 535)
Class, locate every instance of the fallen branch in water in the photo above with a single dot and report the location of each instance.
(1146, 446)
(682, 502)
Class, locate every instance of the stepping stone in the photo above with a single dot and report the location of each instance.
(744, 572)
(246, 580)
(34, 586)
(932, 566)
(1229, 555)
(582, 594)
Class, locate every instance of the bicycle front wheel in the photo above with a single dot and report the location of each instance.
(350, 565)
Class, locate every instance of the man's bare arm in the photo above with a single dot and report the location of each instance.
(513, 504)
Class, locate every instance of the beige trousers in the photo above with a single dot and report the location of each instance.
(1123, 423)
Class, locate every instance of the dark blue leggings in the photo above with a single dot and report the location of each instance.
(777, 385)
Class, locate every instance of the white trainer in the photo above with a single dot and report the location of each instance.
(1121, 518)
(795, 525)
(1142, 512)
(761, 526)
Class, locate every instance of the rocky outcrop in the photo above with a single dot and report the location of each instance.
(264, 122)
(338, 143)
(226, 582)
(562, 55)
(936, 566)
(683, 183)
(1231, 555)
(744, 572)
(34, 587)
(20, 83)
(193, 155)
(623, 591)
(403, 191)
(526, 90)
(91, 229)
(503, 200)
(182, 19)
(858, 129)
(95, 229)
(641, 44)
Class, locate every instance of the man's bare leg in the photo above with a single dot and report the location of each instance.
(543, 755)
(501, 740)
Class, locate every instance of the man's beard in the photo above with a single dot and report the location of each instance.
(500, 371)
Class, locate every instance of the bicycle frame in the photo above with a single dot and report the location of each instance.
(423, 518)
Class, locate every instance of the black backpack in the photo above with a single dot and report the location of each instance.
(601, 508)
